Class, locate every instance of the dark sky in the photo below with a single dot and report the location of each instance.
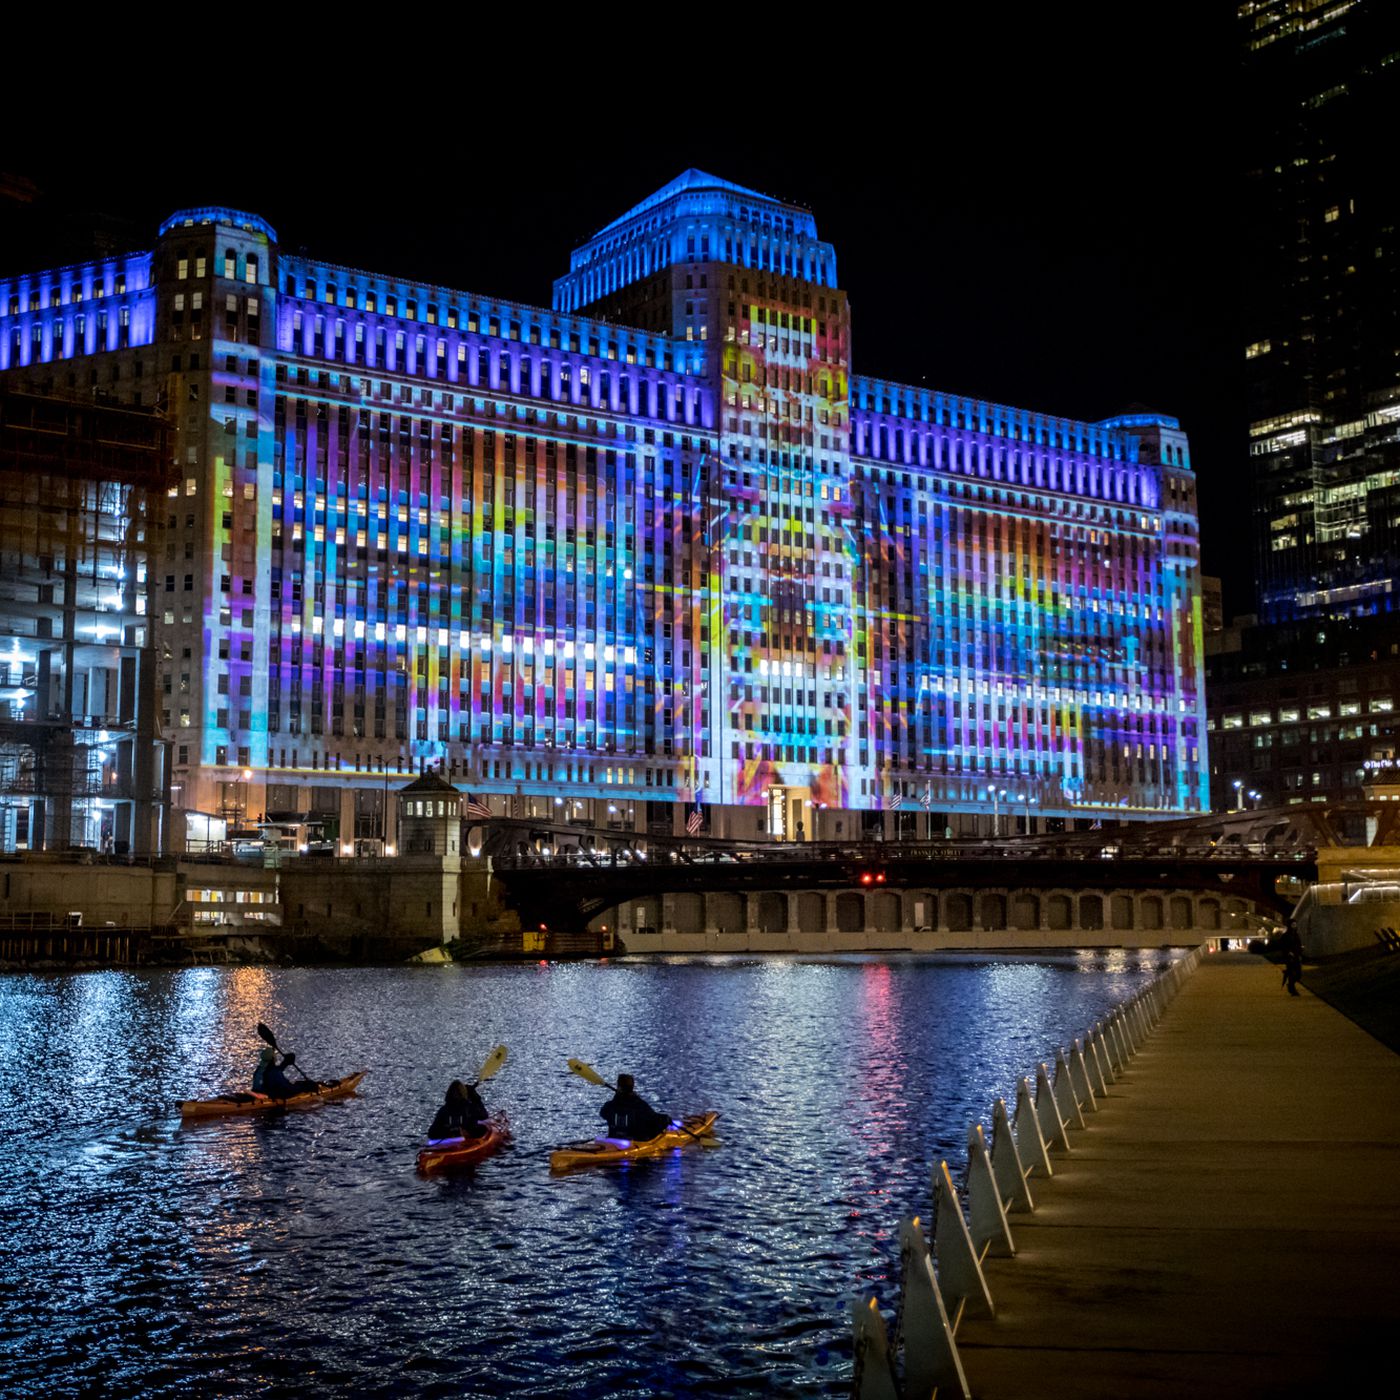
(1039, 213)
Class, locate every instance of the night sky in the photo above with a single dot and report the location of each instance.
(1047, 219)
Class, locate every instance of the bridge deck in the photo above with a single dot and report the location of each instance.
(1228, 1224)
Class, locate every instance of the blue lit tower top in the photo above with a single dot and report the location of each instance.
(696, 218)
(219, 214)
(747, 280)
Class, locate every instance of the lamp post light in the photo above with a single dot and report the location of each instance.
(996, 807)
(1239, 795)
(1253, 798)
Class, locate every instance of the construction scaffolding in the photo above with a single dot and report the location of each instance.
(81, 491)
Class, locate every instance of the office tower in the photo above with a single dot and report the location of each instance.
(652, 549)
(1302, 695)
(82, 489)
(1322, 282)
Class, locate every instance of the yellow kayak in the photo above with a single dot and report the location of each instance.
(596, 1151)
(260, 1103)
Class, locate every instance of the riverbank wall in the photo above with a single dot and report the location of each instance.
(912, 941)
(914, 920)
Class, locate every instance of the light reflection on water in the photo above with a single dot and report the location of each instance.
(304, 1250)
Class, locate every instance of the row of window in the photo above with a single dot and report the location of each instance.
(1314, 710)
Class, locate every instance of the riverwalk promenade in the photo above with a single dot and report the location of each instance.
(1228, 1223)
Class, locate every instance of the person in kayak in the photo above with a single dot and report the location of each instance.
(270, 1077)
(630, 1116)
(462, 1115)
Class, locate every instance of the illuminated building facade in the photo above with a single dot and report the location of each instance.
(649, 548)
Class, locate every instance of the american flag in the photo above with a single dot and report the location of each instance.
(695, 821)
(927, 799)
(1096, 825)
(894, 801)
(476, 807)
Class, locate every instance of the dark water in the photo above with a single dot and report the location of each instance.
(302, 1252)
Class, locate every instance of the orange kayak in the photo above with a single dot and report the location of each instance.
(597, 1151)
(260, 1103)
(444, 1154)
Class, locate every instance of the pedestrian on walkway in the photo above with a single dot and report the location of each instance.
(1292, 948)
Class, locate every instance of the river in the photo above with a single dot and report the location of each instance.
(301, 1252)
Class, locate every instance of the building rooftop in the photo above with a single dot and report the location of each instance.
(430, 783)
(684, 183)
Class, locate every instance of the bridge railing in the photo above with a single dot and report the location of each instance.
(523, 853)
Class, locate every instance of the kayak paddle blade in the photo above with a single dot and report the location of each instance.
(267, 1035)
(589, 1073)
(494, 1061)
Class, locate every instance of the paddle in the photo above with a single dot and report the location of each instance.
(593, 1077)
(491, 1068)
(265, 1033)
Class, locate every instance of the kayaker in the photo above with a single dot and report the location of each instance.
(630, 1116)
(462, 1115)
(269, 1078)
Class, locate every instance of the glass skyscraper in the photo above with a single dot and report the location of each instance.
(1322, 78)
(652, 548)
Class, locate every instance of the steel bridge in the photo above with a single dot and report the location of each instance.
(561, 875)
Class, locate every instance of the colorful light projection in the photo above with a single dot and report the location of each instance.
(561, 555)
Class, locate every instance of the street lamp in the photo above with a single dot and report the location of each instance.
(1253, 798)
(996, 808)
(1239, 795)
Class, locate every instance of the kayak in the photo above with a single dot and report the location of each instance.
(596, 1151)
(443, 1154)
(261, 1103)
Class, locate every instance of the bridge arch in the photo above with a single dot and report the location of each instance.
(1025, 910)
(688, 911)
(811, 912)
(886, 915)
(771, 911)
(726, 911)
(850, 912)
(957, 906)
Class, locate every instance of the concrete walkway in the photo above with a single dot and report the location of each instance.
(1227, 1224)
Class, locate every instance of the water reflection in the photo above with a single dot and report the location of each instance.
(266, 1252)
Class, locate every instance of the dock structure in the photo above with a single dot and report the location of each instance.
(1227, 1222)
